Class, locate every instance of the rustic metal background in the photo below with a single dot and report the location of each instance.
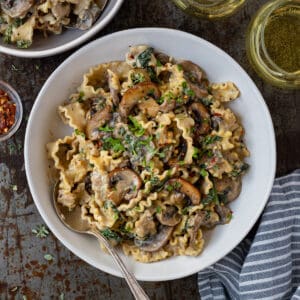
(24, 273)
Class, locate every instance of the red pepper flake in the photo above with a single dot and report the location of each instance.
(7, 112)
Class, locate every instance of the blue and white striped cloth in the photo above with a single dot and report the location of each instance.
(268, 267)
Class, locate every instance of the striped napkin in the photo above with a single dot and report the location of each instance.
(268, 266)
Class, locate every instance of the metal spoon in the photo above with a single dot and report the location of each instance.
(72, 219)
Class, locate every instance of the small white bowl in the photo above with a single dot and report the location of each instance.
(68, 39)
(220, 67)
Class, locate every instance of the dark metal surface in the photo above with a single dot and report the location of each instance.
(23, 269)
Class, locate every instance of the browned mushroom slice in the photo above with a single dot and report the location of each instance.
(97, 120)
(224, 213)
(169, 216)
(136, 94)
(228, 188)
(16, 8)
(124, 184)
(157, 241)
(201, 117)
(195, 77)
(186, 188)
(162, 57)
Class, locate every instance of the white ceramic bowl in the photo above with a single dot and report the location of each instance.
(69, 39)
(44, 125)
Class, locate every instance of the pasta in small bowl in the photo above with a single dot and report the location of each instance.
(31, 28)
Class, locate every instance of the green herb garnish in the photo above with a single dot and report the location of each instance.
(186, 90)
(48, 257)
(113, 144)
(78, 132)
(137, 78)
(40, 231)
(144, 57)
(106, 128)
(111, 235)
(136, 127)
(209, 139)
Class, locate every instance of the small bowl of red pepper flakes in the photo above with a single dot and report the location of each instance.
(11, 111)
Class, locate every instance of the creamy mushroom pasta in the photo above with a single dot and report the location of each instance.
(155, 157)
(20, 18)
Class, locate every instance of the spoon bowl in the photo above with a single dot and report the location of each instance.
(73, 220)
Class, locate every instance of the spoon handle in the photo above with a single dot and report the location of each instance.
(134, 286)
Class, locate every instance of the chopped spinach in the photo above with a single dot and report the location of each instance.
(238, 170)
(144, 57)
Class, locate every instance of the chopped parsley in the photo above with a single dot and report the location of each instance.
(137, 78)
(111, 235)
(80, 97)
(158, 209)
(113, 144)
(196, 152)
(48, 257)
(40, 231)
(186, 90)
(109, 204)
(158, 63)
(209, 139)
(211, 197)
(206, 101)
(7, 34)
(179, 67)
(145, 57)
(203, 173)
(78, 132)
(106, 128)
(23, 44)
(136, 127)
(238, 170)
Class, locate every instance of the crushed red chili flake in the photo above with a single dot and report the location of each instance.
(7, 112)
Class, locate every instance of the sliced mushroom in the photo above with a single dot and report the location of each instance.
(167, 106)
(192, 71)
(124, 184)
(201, 117)
(195, 77)
(162, 57)
(16, 8)
(186, 188)
(97, 120)
(224, 213)
(137, 94)
(228, 188)
(157, 241)
(169, 216)
(199, 220)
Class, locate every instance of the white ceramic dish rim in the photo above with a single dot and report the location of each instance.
(272, 155)
(76, 42)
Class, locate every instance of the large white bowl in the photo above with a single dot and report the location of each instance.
(67, 40)
(44, 125)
